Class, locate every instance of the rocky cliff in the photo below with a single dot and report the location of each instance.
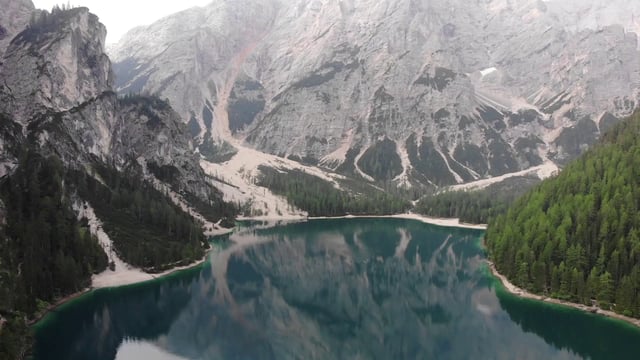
(57, 96)
(431, 92)
(14, 17)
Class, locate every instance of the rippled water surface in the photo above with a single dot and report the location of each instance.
(331, 289)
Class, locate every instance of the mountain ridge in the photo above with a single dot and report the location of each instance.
(72, 149)
(346, 76)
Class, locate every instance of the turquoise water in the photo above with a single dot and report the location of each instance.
(331, 289)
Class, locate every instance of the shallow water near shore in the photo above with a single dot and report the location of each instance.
(331, 289)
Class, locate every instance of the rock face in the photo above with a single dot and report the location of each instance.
(435, 92)
(56, 95)
(14, 17)
(56, 64)
(152, 132)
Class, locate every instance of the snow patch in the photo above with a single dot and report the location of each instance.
(488, 71)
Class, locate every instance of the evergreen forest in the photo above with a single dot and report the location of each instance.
(45, 251)
(147, 229)
(475, 206)
(577, 236)
(321, 198)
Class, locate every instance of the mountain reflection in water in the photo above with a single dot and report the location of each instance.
(323, 289)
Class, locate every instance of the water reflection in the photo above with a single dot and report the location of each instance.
(356, 289)
(588, 335)
(144, 350)
(94, 326)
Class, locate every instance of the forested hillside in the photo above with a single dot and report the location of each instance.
(147, 229)
(320, 198)
(577, 236)
(45, 252)
(475, 206)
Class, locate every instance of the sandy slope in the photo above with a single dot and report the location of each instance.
(237, 180)
(543, 171)
(124, 273)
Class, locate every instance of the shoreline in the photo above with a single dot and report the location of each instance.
(125, 281)
(53, 306)
(133, 276)
(443, 222)
(514, 290)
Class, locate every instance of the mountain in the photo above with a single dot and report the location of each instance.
(417, 92)
(14, 17)
(92, 185)
(577, 236)
(58, 88)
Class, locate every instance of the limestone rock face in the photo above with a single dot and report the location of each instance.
(14, 17)
(56, 95)
(56, 64)
(437, 92)
(152, 132)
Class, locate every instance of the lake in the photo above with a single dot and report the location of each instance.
(331, 289)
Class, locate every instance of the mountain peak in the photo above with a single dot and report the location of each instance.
(57, 63)
(13, 18)
(471, 89)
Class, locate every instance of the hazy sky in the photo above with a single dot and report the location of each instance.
(121, 15)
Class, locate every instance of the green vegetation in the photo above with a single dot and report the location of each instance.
(427, 162)
(475, 206)
(15, 337)
(321, 198)
(44, 22)
(211, 206)
(381, 161)
(214, 209)
(216, 152)
(45, 248)
(45, 252)
(243, 111)
(147, 229)
(577, 236)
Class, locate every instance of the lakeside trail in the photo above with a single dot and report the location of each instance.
(513, 289)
